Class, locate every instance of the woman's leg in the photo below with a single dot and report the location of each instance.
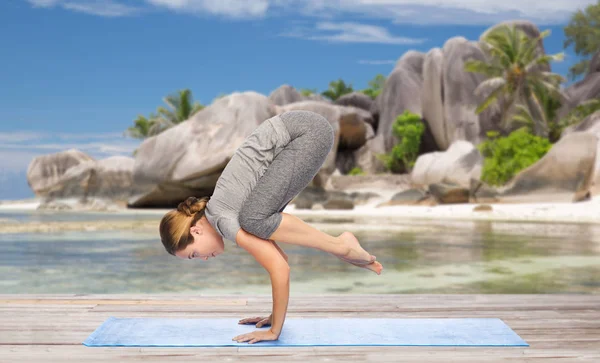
(289, 173)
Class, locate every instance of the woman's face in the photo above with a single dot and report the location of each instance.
(207, 242)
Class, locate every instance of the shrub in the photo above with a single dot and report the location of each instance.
(356, 171)
(408, 128)
(505, 156)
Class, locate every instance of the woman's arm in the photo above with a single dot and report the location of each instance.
(272, 259)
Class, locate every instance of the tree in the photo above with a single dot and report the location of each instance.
(141, 128)
(583, 33)
(375, 86)
(182, 107)
(307, 91)
(408, 129)
(337, 89)
(516, 73)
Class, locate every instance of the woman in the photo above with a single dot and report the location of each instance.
(273, 164)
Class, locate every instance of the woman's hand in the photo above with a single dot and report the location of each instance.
(256, 336)
(260, 322)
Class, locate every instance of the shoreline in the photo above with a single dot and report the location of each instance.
(587, 212)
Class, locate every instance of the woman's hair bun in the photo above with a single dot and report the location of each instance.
(192, 205)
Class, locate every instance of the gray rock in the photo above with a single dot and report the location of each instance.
(564, 174)
(110, 178)
(460, 100)
(45, 171)
(447, 193)
(590, 124)
(337, 204)
(188, 159)
(401, 92)
(432, 98)
(594, 63)
(285, 94)
(355, 99)
(480, 192)
(408, 197)
(458, 165)
(363, 197)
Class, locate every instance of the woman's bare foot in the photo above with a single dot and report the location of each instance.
(353, 252)
(373, 266)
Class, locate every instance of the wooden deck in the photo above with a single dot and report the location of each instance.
(51, 328)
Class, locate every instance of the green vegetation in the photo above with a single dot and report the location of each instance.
(506, 156)
(308, 91)
(337, 89)
(583, 33)
(516, 77)
(180, 108)
(356, 171)
(409, 129)
(375, 86)
(579, 113)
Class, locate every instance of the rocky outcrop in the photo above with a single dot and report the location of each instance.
(45, 171)
(402, 91)
(584, 90)
(188, 159)
(457, 165)
(432, 98)
(355, 99)
(285, 94)
(448, 99)
(110, 178)
(590, 124)
(564, 174)
(460, 101)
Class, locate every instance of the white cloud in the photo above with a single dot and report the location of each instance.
(18, 148)
(348, 32)
(106, 8)
(230, 8)
(444, 12)
(400, 11)
(376, 62)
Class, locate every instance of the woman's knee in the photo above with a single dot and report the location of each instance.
(260, 227)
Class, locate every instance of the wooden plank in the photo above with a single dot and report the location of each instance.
(197, 302)
(52, 327)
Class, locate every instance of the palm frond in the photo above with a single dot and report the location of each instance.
(490, 85)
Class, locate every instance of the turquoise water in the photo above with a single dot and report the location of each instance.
(418, 257)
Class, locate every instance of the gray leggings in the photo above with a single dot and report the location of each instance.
(311, 140)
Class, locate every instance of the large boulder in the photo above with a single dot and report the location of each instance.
(188, 159)
(432, 98)
(45, 171)
(110, 178)
(457, 165)
(590, 124)
(285, 94)
(460, 100)
(355, 99)
(584, 90)
(564, 174)
(401, 92)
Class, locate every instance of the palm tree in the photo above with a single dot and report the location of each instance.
(337, 89)
(182, 108)
(141, 128)
(517, 74)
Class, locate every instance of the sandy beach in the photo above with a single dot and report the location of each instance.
(582, 212)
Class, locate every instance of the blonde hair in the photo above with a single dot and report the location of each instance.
(175, 225)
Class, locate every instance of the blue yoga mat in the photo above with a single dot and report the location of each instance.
(170, 332)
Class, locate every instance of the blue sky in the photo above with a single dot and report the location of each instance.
(75, 73)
